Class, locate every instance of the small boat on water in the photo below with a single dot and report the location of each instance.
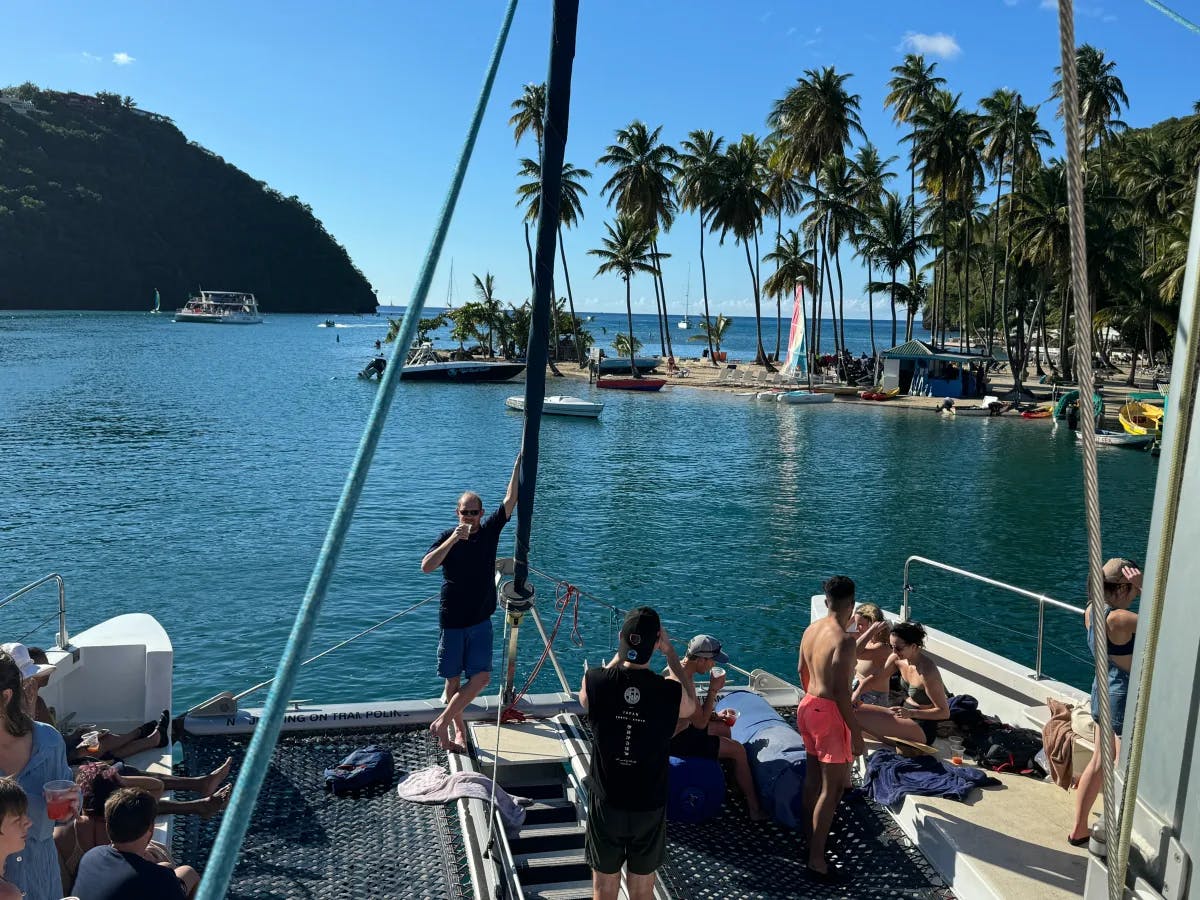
(990, 407)
(619, 365)
(631, 384)
(220, 308)
(795, 397)
(1106, 438)
(1042, 412)
(424, 364)
(879, 395)
(560, 405)
(1141, 418)
(157, 303)
(328, 323)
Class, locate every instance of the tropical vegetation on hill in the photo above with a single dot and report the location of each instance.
(102, 203)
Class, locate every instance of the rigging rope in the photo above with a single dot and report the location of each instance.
(1087, 425)
(562, 602)
(1171, 14)
(236, 820)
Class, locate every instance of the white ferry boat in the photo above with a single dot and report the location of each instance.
(220, 308)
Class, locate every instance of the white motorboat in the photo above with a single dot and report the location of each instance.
(805, 397)
(1119, 439)
(424, 364)
(560, 405)
(220, 308)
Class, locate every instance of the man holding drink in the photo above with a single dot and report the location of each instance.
(705, 733)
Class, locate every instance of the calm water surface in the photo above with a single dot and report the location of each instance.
(190, 472)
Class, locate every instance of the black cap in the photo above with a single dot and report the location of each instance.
(639, 634)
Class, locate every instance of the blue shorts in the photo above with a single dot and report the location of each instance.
(465, 650)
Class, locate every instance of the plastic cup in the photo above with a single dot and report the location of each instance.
(730, 716)
(716, 672)
(92, 741)
(956, 751)
(60, 798)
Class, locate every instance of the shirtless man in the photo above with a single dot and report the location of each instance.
(826, 720)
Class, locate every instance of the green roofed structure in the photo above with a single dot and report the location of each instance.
(919, 369)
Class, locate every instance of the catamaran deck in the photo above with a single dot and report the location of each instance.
(303, 842)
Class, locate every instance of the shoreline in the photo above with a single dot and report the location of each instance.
(702, 376)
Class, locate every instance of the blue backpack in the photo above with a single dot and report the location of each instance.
(363, 769)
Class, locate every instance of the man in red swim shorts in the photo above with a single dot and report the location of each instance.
(826, 720)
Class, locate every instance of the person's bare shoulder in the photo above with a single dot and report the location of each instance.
(10, 891)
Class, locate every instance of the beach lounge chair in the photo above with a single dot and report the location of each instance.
(724, 376)
(738, 378)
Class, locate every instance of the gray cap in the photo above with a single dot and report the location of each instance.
(705, 646)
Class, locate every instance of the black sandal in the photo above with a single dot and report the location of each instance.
(164, 728)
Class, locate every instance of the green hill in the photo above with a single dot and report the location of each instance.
(101, 203)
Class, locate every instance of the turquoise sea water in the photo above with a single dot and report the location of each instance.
(190, 472)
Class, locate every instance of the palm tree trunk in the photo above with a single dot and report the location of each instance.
(662, 291)
(964, 277)
(818, 301)
(1064, 322)
(833, 317)
(761, 357)
(529, 251)
(893, 306)
(995, 242)
(562, 252)
(871, 306)
(837, 261)
(658, 312)
(712, 355)
(945, 279)
(629, 319)
(779, 298)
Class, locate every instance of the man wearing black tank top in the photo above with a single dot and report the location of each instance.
(633, 712)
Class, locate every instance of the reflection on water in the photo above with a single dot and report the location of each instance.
(191, 472)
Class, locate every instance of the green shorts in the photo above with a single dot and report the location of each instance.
(615, 837)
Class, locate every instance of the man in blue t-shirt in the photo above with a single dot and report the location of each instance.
(467, 557)
(119, 871)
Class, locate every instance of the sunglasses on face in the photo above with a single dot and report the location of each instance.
(899, 647)
(469, 512)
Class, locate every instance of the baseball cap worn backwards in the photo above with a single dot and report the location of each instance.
(639, 634)
(705, 646)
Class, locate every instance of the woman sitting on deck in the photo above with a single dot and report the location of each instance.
(872, 651)
(926, 703)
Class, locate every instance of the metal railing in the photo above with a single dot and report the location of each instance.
(1041, 599)
(62, 604)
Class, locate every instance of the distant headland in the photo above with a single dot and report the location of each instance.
(102, 203)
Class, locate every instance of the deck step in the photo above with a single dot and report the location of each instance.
(555, 836)
(561, 890)
(551, 866)
(550, 790)
(550, 811)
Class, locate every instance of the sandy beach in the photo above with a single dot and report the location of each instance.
(702, 376)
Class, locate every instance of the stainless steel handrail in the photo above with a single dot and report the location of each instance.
(62, 603)
(1041, 599)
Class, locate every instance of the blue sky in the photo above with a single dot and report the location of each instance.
(360, 107)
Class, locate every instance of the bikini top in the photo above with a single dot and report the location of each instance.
(1125, 649)
(916, 693)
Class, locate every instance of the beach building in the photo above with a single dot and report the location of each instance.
(921, 370)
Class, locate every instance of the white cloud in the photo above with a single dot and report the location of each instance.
(790, 31)
(940, 44)
(89, 57)
(122, 59)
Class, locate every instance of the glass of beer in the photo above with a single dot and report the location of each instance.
(91, 740)
(61, 797)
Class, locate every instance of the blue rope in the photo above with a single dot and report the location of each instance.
(258, 757)
(1174, 16)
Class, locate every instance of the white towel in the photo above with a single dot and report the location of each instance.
(436, 785)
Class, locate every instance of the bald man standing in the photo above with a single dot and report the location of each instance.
(467, 557)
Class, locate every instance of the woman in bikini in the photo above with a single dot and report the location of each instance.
(925, 702)
(14, 826)
(1122, 584)
(871, 651)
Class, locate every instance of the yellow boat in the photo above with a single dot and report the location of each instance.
(1141, 418)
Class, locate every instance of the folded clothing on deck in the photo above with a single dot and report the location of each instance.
(891, 776)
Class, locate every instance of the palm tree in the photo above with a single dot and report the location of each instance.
(1006, 128)
(626, 250)
(868, 182)
(713, 331)
(696, 185)
(785, 192)
(1101, 97)
(913, 295)
(838, 217)
(739, 207)
(491, 313)
(941, 141)
(529, 117)
(642, 188)
(570, 211)
(815, 119)
(912, 86)
(888, 237)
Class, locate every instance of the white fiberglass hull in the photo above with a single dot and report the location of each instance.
(561, 406)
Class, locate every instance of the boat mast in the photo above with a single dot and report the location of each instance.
(518, 593)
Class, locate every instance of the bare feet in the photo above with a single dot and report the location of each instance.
(218, 775)
(756, 814)
(214, 803)
(440, 728)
